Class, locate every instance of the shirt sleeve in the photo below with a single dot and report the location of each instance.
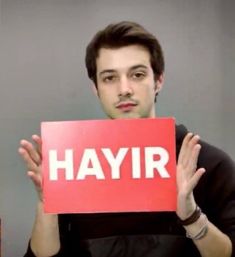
(226, 216)
(217, 190)
(29, 252)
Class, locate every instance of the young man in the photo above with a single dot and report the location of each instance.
(126, 64)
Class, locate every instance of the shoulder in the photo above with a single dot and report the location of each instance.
(216, 189)
(220, 168)
(210, 157)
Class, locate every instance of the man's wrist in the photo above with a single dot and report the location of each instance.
(192, 218)
(198, 229)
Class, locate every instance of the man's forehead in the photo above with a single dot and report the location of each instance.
(123, 58)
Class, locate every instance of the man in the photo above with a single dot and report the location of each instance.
(126, 64)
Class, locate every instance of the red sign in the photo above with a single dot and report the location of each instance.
(109, 165)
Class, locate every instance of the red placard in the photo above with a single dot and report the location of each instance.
(123, 165)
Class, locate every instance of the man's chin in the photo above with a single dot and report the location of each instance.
(125, 115)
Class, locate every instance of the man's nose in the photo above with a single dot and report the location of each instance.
(125, 87)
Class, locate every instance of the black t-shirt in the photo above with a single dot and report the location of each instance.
(155, 234)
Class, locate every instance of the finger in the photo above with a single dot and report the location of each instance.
(192, 165)
(31, 151)
(31, 165)
(184, 147)
(36, 179)
(192, 142)
(38, 142)
(195, 179)
(189, 151)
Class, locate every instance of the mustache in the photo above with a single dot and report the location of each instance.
(123, 99)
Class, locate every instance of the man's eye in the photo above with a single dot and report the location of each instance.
(138, 75)
(110, 78)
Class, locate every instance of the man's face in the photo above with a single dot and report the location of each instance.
(125, 81)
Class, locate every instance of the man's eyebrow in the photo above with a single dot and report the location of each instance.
(106, 71)
(138, 66)
(135, 67)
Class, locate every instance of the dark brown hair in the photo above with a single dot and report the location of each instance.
(123, 34)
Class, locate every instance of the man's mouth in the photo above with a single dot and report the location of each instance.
(126, 106)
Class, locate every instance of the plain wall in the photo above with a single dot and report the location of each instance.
(43, 77)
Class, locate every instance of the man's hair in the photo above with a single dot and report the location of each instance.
(121, 34)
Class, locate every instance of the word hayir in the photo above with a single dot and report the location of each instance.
(91, 166)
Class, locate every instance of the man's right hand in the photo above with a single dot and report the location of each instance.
(31, 154)
(45, 240)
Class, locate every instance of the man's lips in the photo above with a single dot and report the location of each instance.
(126, 106)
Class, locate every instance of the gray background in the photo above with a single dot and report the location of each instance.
(43, 77)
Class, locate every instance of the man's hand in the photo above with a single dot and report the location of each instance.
(188, 175)
(32, 157)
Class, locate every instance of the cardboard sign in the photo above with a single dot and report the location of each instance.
(109, 165)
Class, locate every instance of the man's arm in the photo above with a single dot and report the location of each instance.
(210, 241)
(214, 243)
(45, 234)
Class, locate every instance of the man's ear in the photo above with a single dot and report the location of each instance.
(95, 90)
(159, 83)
